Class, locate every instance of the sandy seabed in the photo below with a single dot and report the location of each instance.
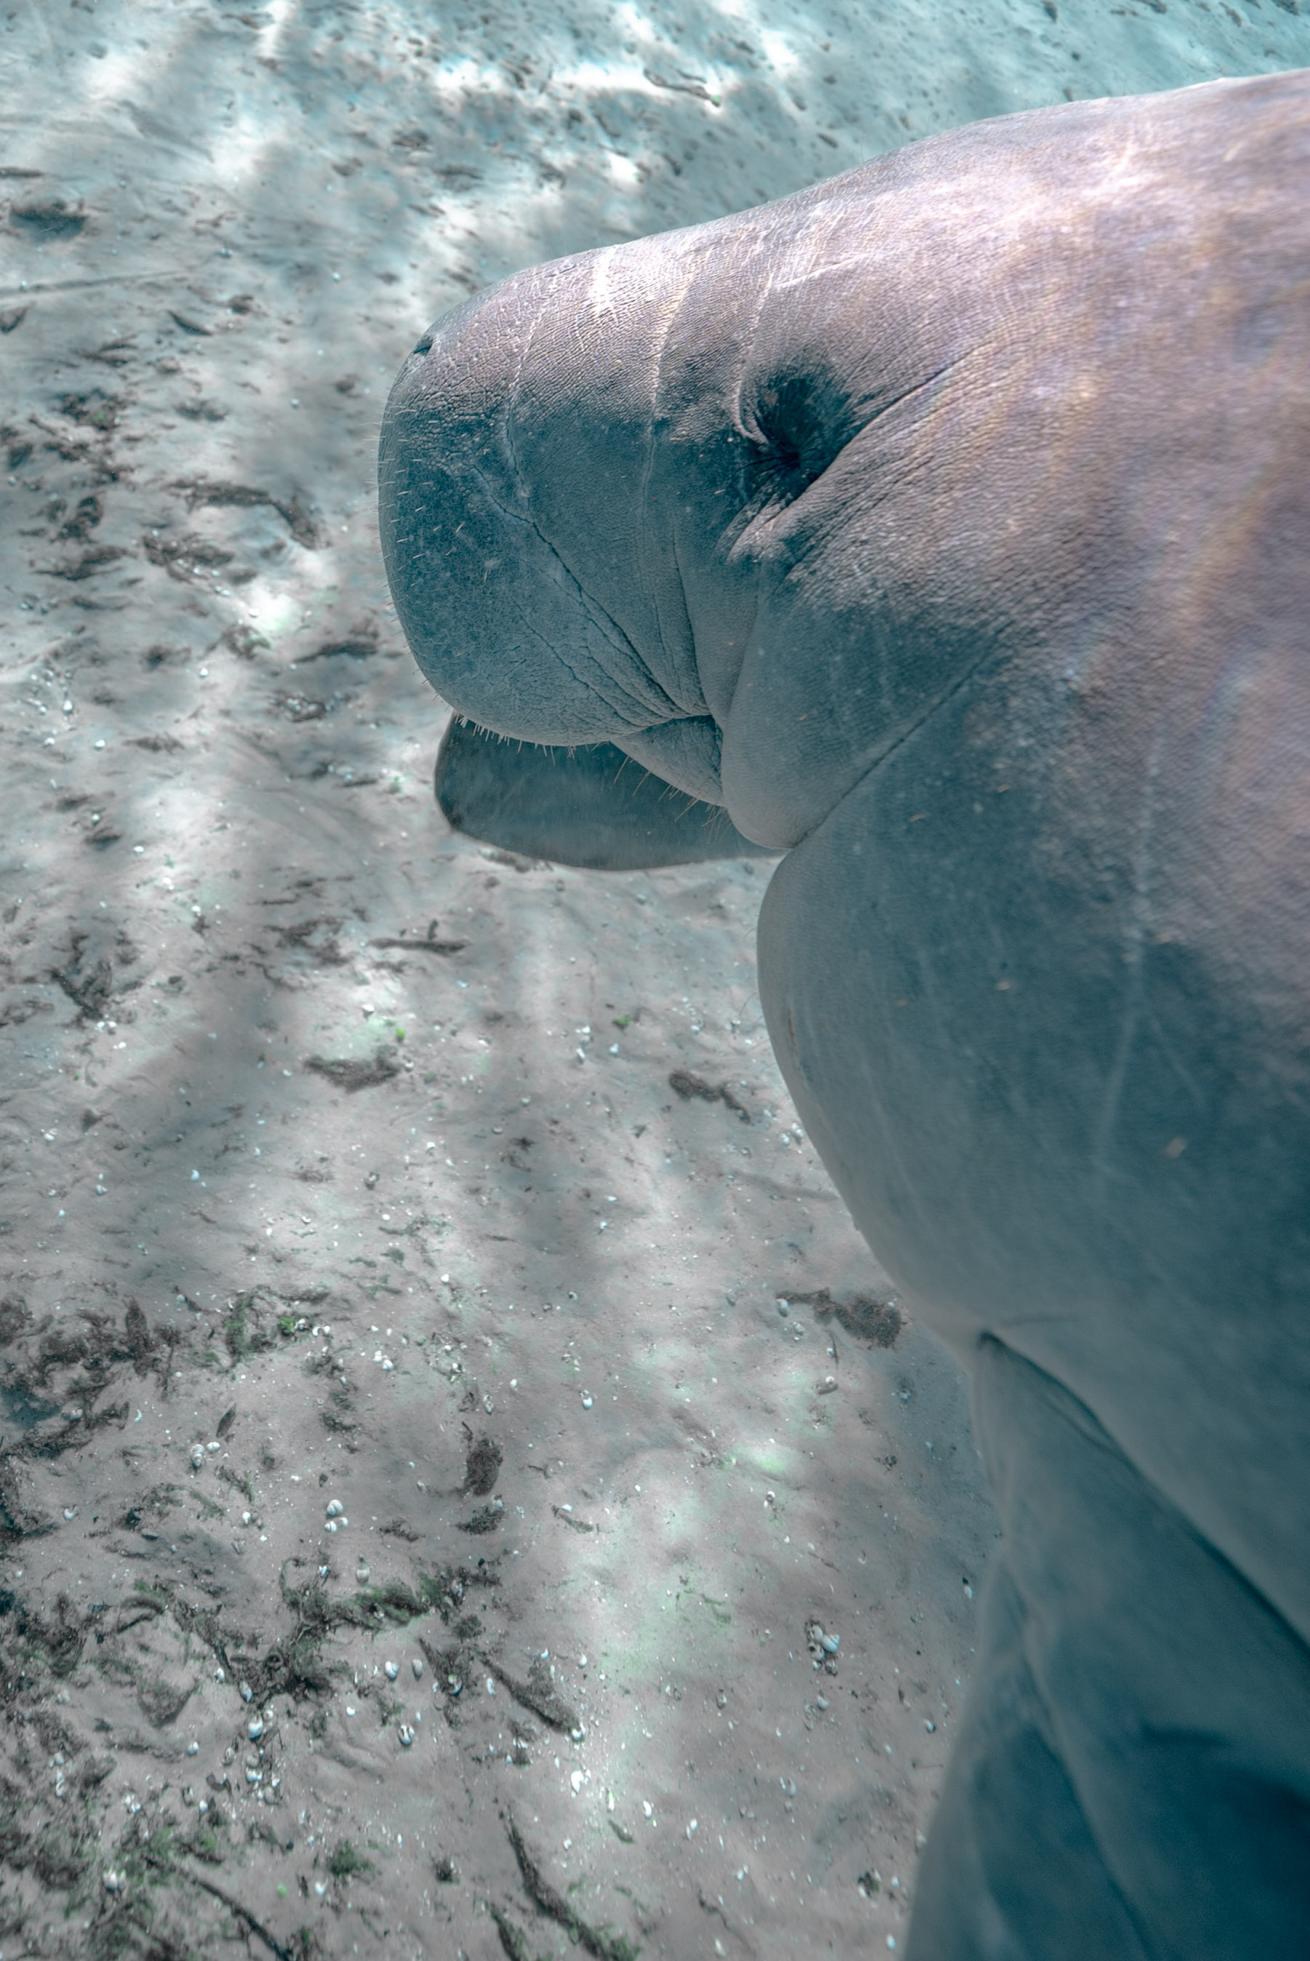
(465, 1488)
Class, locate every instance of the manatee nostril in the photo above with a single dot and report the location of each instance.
(802, 421)
(425, 345)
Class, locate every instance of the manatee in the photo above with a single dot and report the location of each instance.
(948, 524)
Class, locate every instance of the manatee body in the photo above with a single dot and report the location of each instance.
(591, 807)
(949, 524)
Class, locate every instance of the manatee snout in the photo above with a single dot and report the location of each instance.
(487, 470)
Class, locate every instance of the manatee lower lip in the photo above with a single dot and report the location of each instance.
(685, 752)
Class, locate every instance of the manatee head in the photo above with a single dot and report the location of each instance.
(586, 476)
(754, 499)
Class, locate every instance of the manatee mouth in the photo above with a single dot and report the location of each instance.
(686, 752)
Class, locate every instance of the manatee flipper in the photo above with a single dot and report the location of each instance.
(591, 806)
(1130, 1723)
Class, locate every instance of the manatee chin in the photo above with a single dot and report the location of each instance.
(685, 752)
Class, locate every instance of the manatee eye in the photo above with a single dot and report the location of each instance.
(425, 345)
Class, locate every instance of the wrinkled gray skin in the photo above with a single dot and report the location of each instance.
(950, 524)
